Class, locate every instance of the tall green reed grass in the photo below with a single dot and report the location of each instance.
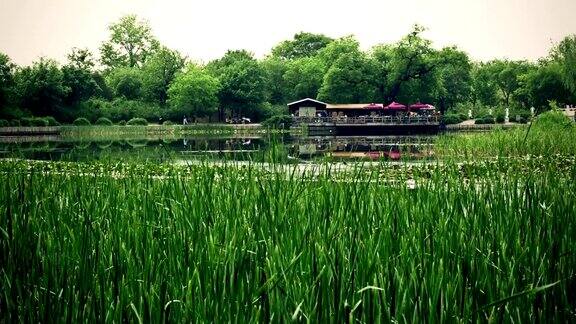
(235, 244)
(550, 134)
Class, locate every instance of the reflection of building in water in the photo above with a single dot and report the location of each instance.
(388, 147)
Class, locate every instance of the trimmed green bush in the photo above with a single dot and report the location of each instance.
(15, 123)
(104, 121)
(122, 123)
(137, 122)
(51, 121)
(453, 119)
(485, 120)
(34, 122)
(4, 123)
(81, 122)
(168, 122)
(500, 118)
(278, 121)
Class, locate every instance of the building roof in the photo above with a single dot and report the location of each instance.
(307, 99)
(347, 106)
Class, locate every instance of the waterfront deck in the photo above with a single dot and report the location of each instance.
(369, 125)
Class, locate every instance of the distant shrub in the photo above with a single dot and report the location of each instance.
(122, 123)
(51, 121)
(500, 118)
(34, 122)
(137, 122)
(81, 122)
(522, 116)
(103, 121)
(553, 119)
(168, 122)
(15, 122)
(278, 121)
(485, 120)
(453, 119)
(4, 123)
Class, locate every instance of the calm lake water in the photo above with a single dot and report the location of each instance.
(285, 149)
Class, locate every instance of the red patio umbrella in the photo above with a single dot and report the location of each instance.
(395, 106)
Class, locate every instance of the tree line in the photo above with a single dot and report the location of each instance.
(135, 75)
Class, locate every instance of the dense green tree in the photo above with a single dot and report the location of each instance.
(330, 54)
(78, 76)
(484, 88)
(158, 72)
(545, 84)
(131, 42)
(349, 79)
(303, 45)
(81, 58)
(41, 89)
(381, 56)
(410, 59)
(276, 88)
(193, 93)
(303, 78)
(506, 75)
(126, 82)
(454, 78)
(242, 80)
(565, 56)
(6, 79)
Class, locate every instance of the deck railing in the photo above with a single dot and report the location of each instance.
(392, 120)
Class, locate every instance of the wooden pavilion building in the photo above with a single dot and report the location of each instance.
(322, 118)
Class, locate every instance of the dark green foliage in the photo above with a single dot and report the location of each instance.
(122, 123)
(131, 42)
(41, 89)
(15, 122)
(564, 54)
(158, 73)
(524, 117)
(553, 120)
(81, 122)
(303, 45)
(78, 76)
(139, 72)
(6, 80)
(34, 121)
(278, 121)
(168, 123)
(103, 121)
(137, 122)
(4, 123)
(452, 119)
(193, 93)
(242, 83)
(126, 83)
(486, 120)
(500, 118)
(51, 121)
(350, 79)
(121, 109)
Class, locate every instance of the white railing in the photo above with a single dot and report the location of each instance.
(392, 120)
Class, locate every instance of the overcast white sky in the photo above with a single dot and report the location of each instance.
(204, 30)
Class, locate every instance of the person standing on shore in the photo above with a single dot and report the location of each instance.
(185, 121)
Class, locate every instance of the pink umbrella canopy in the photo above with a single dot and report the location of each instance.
(420, 105)
(395, 106)
(374, 106)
